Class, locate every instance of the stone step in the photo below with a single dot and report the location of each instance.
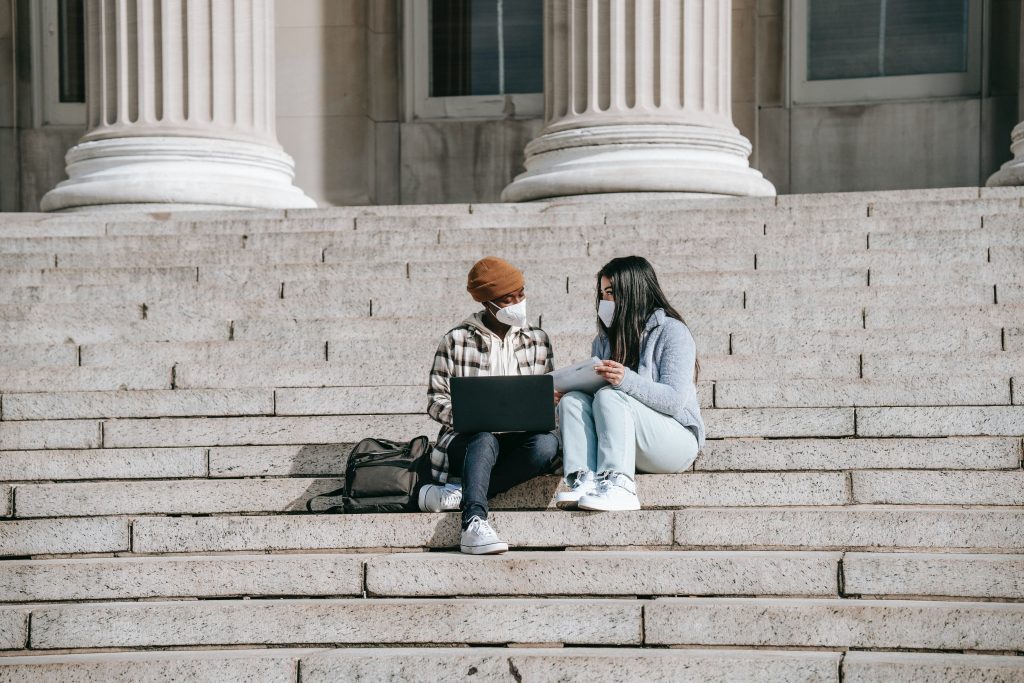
(920, 340)
(103, 463)
(1007, 258)
(50, 434)
(1013, 339)
(71, 378)
(873, 296)
(423, 665)
(881, 667)
(243, 431)
(794, 622)
(941, 421)
(277, 665)
(990, 315)
(939, 487)
(132, 353)
(988, 236)
(979, 529)
(758, 622)
(892, 207)
(26, 261)
(22, 355)
(853, 528)
(71, 277)
(976, 453)
(108, 244)
(503, 664)
(415, 367)
(33, 537)
(931, 574)
(967, 273)
(403, 575)
(252, 622)
(883, 365)
(775, 258)
(118, 293)
(69, 313)
(218, 496)
(90, 331)
(917, 391)
(68, 405)
(147, 259)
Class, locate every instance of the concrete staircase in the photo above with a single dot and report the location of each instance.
(174, 387)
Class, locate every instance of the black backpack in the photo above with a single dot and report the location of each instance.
(382, 476)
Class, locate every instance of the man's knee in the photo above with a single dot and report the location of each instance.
(483, 442)
(542, 449)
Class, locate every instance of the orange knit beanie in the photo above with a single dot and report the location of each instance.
(492, 277)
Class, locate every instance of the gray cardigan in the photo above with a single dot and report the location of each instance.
(664, 379)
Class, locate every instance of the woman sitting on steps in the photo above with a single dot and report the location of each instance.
(648, 418)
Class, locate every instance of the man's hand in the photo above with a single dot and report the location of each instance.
(558, 397)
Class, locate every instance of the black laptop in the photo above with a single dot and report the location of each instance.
(503, 404)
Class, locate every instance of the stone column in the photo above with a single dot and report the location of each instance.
(1012, 172)
(637, 99)
(180, 101)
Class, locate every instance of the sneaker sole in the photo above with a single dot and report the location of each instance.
(419, 500)
(489, 549)
(567, 504)
(595, 508)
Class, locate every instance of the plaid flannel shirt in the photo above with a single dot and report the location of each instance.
(465, 352)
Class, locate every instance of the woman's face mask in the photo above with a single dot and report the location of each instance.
(606, 312)
(514, 315)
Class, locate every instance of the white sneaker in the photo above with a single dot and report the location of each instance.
(614, 492)
(582, 483)
(480, 538)
(434, 498)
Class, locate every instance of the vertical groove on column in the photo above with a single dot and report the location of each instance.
(560, 58)
(158, 61)
(725, 62)
(643, 68)
(693, 54)
(144, 68)
(628, 56)
(268, 72)
(244, 103)
(604, 47)
(681, 54)
(549, 95)
(670, 57)
(709, 57)
(171, 57)
(578, 33)
(616, 40)
(94, 62)
(258, 65)
(109, 71)
(197, 49)
(656, 73)
(130, 61)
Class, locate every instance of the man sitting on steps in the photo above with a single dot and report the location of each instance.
(496, 341)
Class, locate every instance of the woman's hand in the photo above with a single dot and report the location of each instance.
(611, 371)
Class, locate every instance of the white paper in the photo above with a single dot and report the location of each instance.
(579, 377)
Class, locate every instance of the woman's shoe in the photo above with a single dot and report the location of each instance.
(583, 482)
(613, 493)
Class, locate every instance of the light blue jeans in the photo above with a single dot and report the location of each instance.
(613, 431)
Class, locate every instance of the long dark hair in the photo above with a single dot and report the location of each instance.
(637, 295)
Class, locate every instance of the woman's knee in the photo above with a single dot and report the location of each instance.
(609, 399)
(574, 403)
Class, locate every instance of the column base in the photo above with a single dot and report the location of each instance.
(696, 160)
(1012, 172)
(169, 172)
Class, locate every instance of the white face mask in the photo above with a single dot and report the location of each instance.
(514, 315)
(606, 312)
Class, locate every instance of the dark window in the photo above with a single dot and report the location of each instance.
(872, 38)
(486, 47)
(71, 37)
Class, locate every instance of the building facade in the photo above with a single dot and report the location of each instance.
(432, 101)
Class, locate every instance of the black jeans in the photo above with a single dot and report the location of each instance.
(493, 463)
